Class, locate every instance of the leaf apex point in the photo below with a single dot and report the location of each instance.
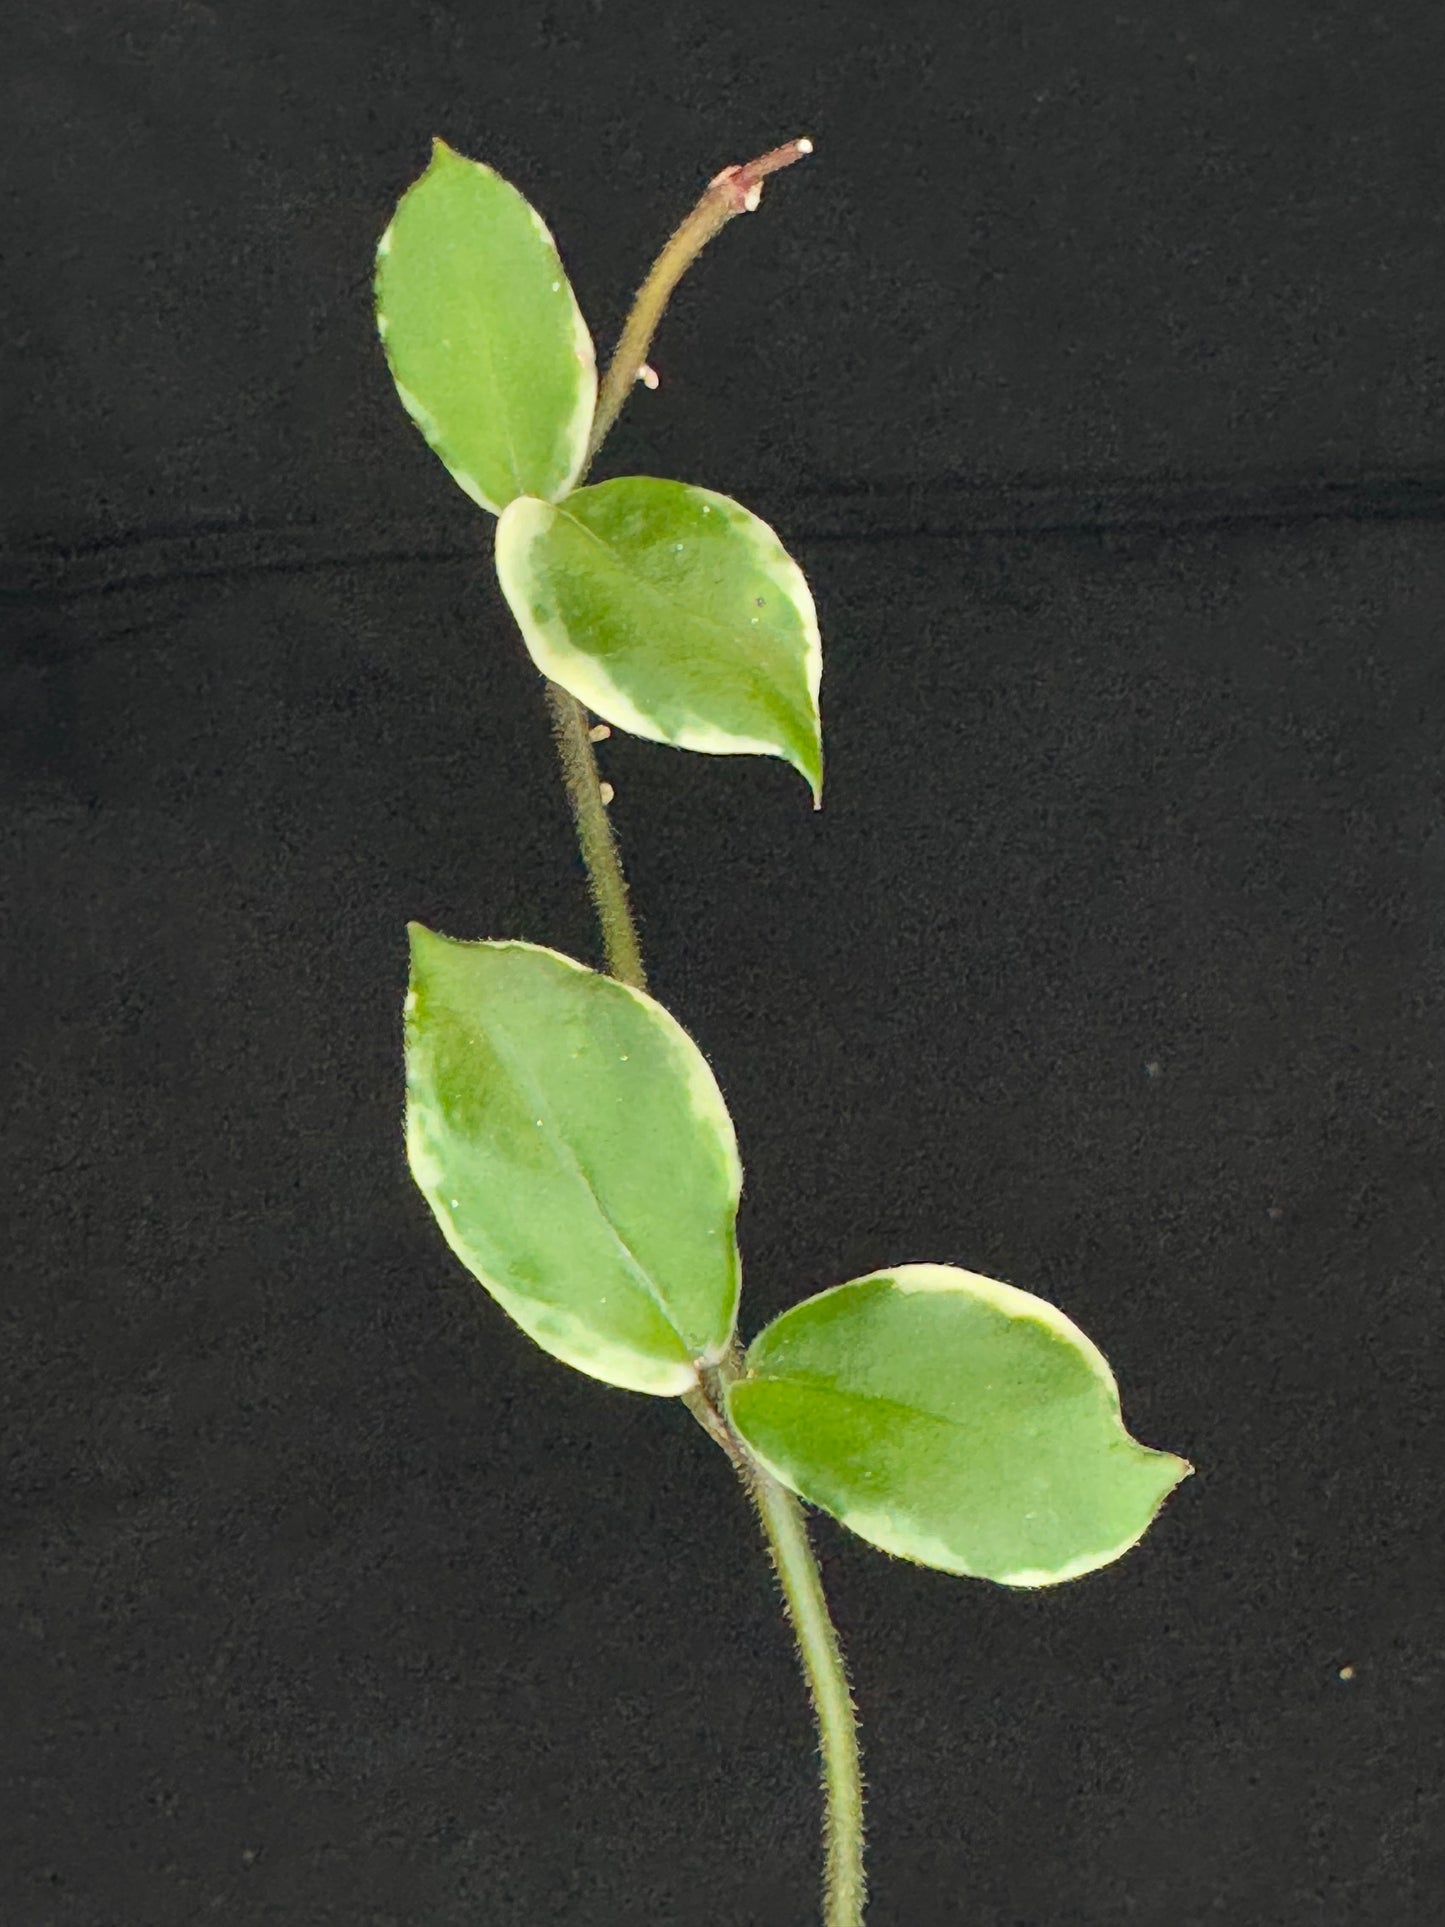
(420, 938)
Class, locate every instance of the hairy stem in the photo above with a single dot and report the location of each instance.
(786, 1530)
(594, 835)
(797, 1568)
(735, 191)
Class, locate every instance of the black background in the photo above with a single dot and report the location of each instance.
(1092, 368)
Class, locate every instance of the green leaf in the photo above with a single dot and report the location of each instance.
(671, 612)
(482, 332)
(955, 1421)
(576, 1151)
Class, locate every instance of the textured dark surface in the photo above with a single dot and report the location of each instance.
(1091, 369)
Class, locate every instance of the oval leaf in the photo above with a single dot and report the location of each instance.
(576, 1151)
(955, 1421)
(483, 334)
(672, 612)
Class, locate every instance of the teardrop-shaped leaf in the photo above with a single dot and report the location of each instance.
(672, 612)
(576, 1151)
(482, 332)
(955, 1421)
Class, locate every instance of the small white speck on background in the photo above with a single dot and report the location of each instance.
(607, 792)
(599, 732)
(1153, 1068)
(1347, 1672)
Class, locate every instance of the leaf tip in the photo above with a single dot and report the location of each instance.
(419, 940)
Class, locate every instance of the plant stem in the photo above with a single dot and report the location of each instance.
(796, 1565)
(735, 191)
(594, 834)
(785, 1527)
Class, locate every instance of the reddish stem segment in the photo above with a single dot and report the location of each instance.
(736, 190)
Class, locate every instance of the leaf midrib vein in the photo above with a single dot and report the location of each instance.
(758, 661)
(816, 1384)
(540, 1105)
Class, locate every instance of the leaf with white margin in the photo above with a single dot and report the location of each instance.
(483, 335)
(955, 1421)
(576, 1151)
(672, 612)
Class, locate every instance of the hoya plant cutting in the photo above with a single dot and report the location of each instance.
(570, 1137)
